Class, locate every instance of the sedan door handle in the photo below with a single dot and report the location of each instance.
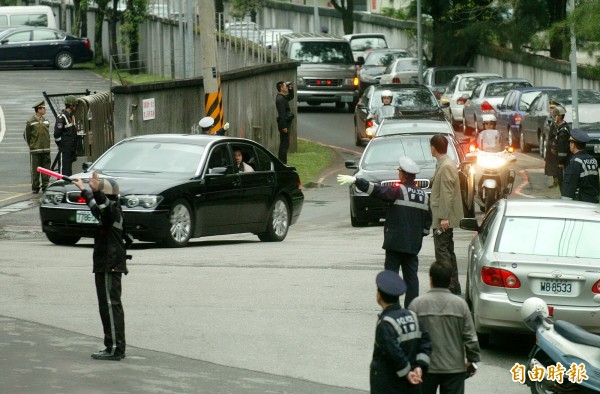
(236, 182)
(271, 179)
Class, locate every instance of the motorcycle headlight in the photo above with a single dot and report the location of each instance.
(52, 197)
(142, 200)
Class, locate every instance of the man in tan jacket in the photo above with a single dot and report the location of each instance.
(446, 206)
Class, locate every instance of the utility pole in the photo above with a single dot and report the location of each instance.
(419, 42)
(573, 58)
(213, 100)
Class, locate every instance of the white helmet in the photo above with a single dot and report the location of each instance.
(533, 311)
(488, 118)
(386, 93)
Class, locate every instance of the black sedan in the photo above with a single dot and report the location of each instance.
(41, 46)
(410, 99)
(176, 187)
(379, 164)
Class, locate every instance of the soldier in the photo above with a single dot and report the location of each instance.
(37, 136)
(561, 142)
(65, 135)
(581, 175)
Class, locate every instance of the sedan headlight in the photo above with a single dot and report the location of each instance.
(142, 200)
(52, 197)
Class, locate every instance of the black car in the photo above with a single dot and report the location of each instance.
(41, 46)
(176, 187)
(379, 164)
(410, 99)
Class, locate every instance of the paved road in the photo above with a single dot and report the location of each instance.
(227, 314)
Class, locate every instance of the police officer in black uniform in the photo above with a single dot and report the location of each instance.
(65, 135)
(561, 142)
(406, 223)
(402, 348)
(109, 261)
(581, 175)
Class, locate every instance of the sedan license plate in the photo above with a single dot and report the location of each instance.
(85, 217)
(562, 287)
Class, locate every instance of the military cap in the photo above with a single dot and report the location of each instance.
(407, 165)
(40, 104)
(109, 186)
(580, 136)
(558, 110)
(206, 122)
(391, 283)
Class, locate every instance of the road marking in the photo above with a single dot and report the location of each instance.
(525, 182)
(16, 207)
(2, 124)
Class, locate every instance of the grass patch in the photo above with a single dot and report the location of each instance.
(122, 76)
(310, 160)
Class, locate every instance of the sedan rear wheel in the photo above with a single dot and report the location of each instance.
(64, 240)
(181, 225)
(278, 223)
(64, 60)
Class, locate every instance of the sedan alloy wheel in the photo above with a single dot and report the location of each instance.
(180, 230)
(278, 223)
(64, 60)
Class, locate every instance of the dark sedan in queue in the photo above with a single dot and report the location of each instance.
(174, 187)
(379, 164)
(42, 46)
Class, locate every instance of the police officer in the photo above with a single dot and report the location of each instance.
(561, 141)
(581, 175)
(37, 135)
(387, 109)
(406, 223)
(109, 261)
(402, 346)
(206, 124)
(65, 135)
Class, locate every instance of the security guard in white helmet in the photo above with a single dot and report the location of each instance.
(406, 223)
(489, 138)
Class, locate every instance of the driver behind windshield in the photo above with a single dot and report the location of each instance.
(488, 139)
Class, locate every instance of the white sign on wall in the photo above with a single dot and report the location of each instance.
(149, 109)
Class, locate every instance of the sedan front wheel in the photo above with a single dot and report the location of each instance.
(180, 226)
(278, 222)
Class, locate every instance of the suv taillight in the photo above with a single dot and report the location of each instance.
(396, 80)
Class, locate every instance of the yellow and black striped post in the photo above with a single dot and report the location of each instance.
(213, 102)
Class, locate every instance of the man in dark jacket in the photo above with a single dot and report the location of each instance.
(65, 135)
(562, 142)
(407, 221)
(581, 175)
(109, 262)
(402, 346)
(285, 94)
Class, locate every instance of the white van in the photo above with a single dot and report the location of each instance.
(38, 15)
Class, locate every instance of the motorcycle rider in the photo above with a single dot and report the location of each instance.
(581, 175)
(387, 109)
(488, 139)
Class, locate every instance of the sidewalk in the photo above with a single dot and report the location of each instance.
(39, 359)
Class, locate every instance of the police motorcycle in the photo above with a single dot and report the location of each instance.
(560, 342)
(493, 178)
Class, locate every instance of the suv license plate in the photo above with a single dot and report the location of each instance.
(556, 287)
(347, 99)
(85, 217)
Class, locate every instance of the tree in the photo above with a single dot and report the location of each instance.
(113, 16)
(134, 17)
(100, 13)
(79, 27)
(346, 8)
(241, 8)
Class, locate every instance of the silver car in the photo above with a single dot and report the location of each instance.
(534, 248)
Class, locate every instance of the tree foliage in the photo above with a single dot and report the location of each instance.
(100, 13)
(135, 15)
(243, 8)
(8, 2)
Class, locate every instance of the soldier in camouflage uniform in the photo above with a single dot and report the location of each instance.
(37, 136)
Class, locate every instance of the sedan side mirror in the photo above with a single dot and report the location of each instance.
(217, 171)
(351, 164)
(469, 224)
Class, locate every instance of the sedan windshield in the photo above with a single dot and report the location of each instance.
(408, 100)
(384, 58)
(501, 88)
(383, 153)
(151, 157)
(364, 43)
(549, 237)
(469, 83)
(583, 97)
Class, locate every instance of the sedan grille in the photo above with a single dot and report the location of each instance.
(422, 183)
(319, 82)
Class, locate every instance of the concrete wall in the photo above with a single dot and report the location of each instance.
(248, 102)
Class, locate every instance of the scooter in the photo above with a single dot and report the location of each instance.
(565, 359)
(493, 179)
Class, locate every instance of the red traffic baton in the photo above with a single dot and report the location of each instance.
(53, 174)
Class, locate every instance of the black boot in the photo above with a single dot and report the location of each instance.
(106, 355)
